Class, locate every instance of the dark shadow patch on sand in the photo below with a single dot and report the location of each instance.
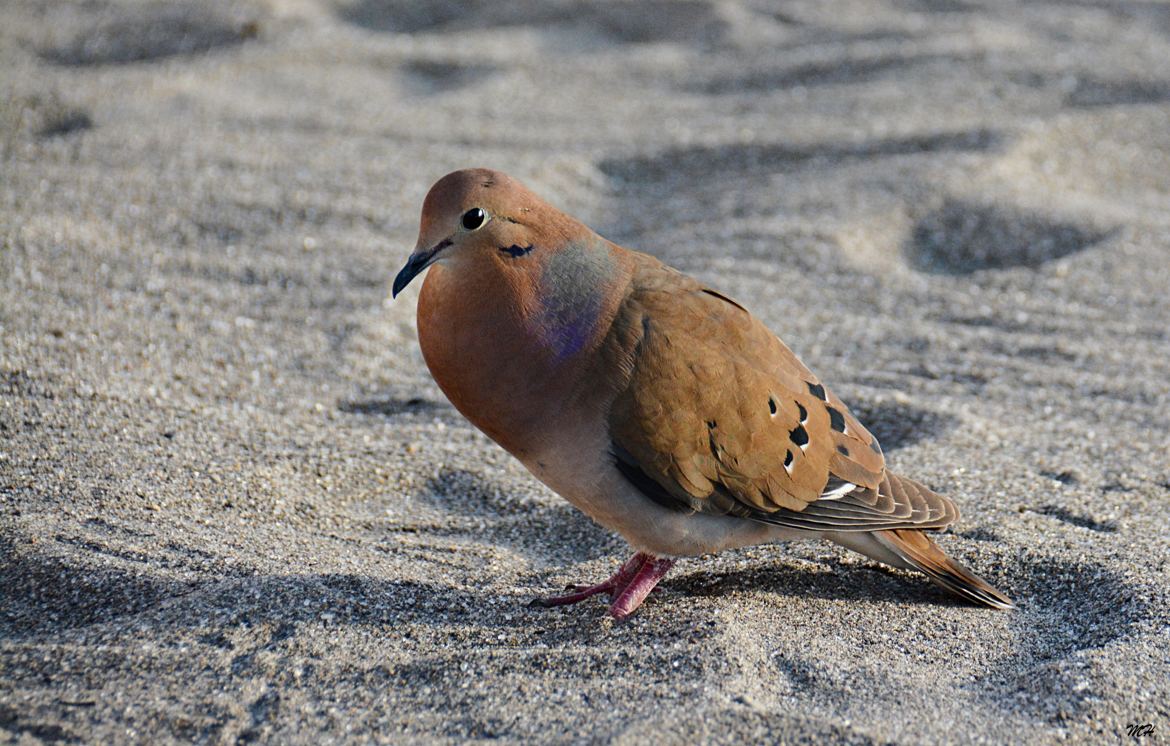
(43, 116)
(1041, 353)
(280, 604)
(43, 592)
(980, 534)
(1064, 608)
(223, 232)
(1092, 93)
(150, 32)
(177, 558)
(960, 238)
(1076, 519)
(842, 583)
(900, 425)
(65, 122)
(816, 74)
(1033, 324)
(394, 407)
(18, 382)
(439, 682)
(703, 161)
(406, 17)
(937, 6)
(18, 724)
(692, 21)
(424, 77)
(1148, 14)
(801, 673)
(471, 492)
(1066, 476)
(262, 709)
(216, 607)
(549, 533)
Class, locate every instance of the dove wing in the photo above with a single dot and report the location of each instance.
(718, 416)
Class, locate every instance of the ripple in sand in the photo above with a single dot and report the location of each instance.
(150, 32)
(628, 23)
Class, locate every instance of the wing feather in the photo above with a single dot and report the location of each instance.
(721, 417)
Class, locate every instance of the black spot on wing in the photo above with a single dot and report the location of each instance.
(803, 412)
(817, 390)
(788, 458)
(836, 420)
(799, 435)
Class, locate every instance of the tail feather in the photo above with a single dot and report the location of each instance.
(917, 549)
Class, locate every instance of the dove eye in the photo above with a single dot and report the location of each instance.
(473, 219)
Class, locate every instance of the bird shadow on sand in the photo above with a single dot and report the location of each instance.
(1063, 607)
(84, 594)
(840, 582)
(548, 532)
(249, 616)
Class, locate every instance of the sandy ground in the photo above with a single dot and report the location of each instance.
(234, 507)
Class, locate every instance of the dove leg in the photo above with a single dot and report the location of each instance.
(615, 584)
(632, 596)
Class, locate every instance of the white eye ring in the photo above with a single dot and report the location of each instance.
(474, 219)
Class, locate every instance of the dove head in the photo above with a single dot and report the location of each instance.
(482, 221)
(517, 297)
(518, 294)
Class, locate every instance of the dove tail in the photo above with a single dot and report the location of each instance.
(917, 549)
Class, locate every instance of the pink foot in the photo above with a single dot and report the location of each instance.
(635, 593)
(628, 587)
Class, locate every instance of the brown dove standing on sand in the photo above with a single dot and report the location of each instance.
(658, 406)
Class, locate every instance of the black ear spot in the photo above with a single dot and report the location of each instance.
(836, 420)
(817, 390)
(515, 251)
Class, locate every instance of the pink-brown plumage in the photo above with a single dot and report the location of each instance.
(659, 407)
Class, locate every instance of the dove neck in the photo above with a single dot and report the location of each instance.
(510, 344)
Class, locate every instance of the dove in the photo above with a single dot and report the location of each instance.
(659, 407)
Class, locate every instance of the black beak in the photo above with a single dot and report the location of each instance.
(417, 262)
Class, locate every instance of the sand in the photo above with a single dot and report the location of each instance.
(234, 507)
